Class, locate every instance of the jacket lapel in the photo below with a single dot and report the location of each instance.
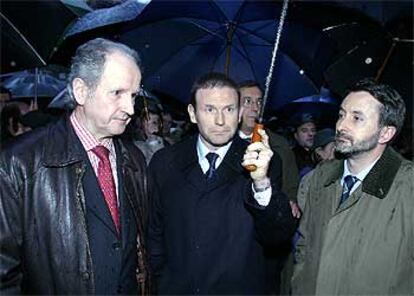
(188, 165)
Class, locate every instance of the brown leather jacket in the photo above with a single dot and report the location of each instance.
(43, 235)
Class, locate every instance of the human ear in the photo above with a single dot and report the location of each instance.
(80, 91)
(386, 134)
(191, 113)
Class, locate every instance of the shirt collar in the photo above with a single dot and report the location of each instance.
(202, 151)
(362, 174)
(87, 139)
(243, 136)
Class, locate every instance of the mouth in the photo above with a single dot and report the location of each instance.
(220, 133)
(343, 138)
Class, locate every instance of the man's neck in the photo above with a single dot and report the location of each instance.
(246, 131)
(358, 162)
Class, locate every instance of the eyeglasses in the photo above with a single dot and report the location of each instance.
(248, 102)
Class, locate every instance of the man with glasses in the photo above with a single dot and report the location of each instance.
(251, 100)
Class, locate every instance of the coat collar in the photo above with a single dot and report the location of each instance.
(63, 146)
(379, 180)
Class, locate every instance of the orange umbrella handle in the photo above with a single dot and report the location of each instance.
(256, 137)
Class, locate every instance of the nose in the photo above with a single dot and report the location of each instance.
(128, 105)
(255, 106)
(219, 120)
(341, 124)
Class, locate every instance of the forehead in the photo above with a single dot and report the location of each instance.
(217, 96)
(253, 92)
(120, 68)
(362, 102)
(307, 125)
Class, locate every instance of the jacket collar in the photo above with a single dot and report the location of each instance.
(62, 146)
(379, 180)
(186, 161)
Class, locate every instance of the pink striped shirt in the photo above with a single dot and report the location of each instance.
(89, 142)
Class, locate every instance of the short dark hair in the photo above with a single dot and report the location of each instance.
(89, 61)
(392, 110)
(249, 83)
(211, 80)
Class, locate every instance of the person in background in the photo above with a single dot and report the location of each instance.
(5, 97)
(357, 231)
(251, 99)
(151, 124)
(11, 124)
(167, 122)
(323, 149)
(323, 145)
(305, 130)
(210, 218)
(73, 195)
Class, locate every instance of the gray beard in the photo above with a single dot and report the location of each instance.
(358, 147)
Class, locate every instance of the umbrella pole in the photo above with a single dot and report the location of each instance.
(231, 27)
(387, 58)
(35, 88)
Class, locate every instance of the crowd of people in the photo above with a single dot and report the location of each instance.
(111, 198)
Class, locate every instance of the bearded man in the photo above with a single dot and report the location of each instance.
(357, 231)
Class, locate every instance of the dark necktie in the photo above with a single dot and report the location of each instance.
(106, 182)
(212, 158)
(349, 182)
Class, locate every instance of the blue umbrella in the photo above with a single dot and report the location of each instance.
(33, 83)
(181, 40)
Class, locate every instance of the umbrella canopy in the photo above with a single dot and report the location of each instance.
(323, 108)
(30, 31)
(34, 83)
(181, 40)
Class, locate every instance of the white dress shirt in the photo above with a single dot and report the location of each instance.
(262, 198)
(361, 175)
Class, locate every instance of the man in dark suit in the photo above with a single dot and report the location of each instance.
(210, 218)
(73, 195)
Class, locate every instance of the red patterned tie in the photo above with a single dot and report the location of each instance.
(106, 182)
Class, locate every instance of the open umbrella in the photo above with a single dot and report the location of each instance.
(181, 40)
(322, 107)
(30, 31)
(33, 83)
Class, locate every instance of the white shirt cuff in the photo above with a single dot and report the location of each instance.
(263, 197)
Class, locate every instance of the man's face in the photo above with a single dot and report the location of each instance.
(107, 110)
(152, 124)
(250, 103)
(166, 123)
(304, 135)
(216, 115)
(358, 129)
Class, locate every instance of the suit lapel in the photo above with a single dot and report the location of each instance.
(189, 167)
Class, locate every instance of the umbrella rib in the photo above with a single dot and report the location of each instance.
(24, 38)
(246, 56)
(206, 29)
